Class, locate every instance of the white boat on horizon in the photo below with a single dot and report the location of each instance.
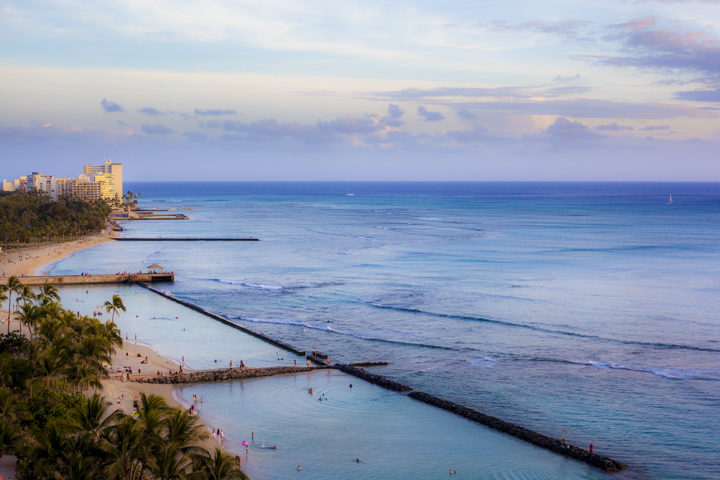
(350, 194)
(670, 202)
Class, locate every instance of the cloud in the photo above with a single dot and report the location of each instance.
(569, 130)
(429, 116)
(562, 79)
(613, 127)
(350, 124)
(394, 115)
(395, 111)
(204, 113)
(566, 28)
(320, 132)
(155, 129)
(150, 111)
(590, 108)
(478, 134)
(122, 124)
(656, 127)
(195, 136)
(270, 129)
(651, 46)
(699, 95)
(111, 107)
(466, 114)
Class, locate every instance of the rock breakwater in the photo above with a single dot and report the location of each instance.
(219, 375)
(543, 441)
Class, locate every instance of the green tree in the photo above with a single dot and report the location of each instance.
(115, 306)
(220, 466)
(11, 437)
(15, 286)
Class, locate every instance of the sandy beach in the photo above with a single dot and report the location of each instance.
(31, 261)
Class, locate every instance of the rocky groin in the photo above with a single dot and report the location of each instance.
(219, 375)
(373, 378)
(543, 441)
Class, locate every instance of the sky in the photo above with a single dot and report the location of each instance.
(619, 90)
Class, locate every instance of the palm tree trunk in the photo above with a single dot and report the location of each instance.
(9, 308)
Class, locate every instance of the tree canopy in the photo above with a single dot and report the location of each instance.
(26, 217)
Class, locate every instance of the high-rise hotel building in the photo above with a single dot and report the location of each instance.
(108, 173)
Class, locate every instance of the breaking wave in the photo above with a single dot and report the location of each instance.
(325, 328)
(669, 346)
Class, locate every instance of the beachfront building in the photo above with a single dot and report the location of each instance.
(8, 186)
(108, 168)
(44, 183)
(85, 189)
(63, 186)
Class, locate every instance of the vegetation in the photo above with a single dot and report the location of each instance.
(53, 419)
(34, 217)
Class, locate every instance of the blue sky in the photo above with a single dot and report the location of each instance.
(344, 90)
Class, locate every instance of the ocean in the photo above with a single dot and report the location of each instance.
(589, 308)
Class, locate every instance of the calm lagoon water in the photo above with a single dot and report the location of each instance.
(591, 308)
(395, 436)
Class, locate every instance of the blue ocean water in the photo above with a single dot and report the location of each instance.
(590, 308)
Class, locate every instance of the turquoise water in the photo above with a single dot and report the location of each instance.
(590, 308)
(395, 436)
(175, 331)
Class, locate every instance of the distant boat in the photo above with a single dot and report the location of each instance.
(670, 202)
(350, 194)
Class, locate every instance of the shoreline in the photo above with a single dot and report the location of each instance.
(36, 260)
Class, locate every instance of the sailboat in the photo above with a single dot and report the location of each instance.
(670, 202)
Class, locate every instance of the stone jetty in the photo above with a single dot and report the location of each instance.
(373, 378)
(543, 441)
(204, 376)
(537, 439)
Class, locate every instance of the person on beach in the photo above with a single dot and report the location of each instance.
(213, 433)
(222, 435)
(591, 448)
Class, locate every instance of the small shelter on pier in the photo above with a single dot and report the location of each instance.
(155, 268)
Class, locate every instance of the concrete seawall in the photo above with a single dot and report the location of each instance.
(227, 322)
(94, 279)
(226, 374)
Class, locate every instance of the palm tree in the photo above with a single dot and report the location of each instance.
(115, 306)
(126, 454)
(51, 366)
(220, 467)
(13, 285)
(26, 294)
(172, 464)
(28, 314)
(10, 437)
(11, 407)
(3, 297)
(94, 418)
(48, 292)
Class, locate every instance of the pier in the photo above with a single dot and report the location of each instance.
(59, 280)
(166, 239)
